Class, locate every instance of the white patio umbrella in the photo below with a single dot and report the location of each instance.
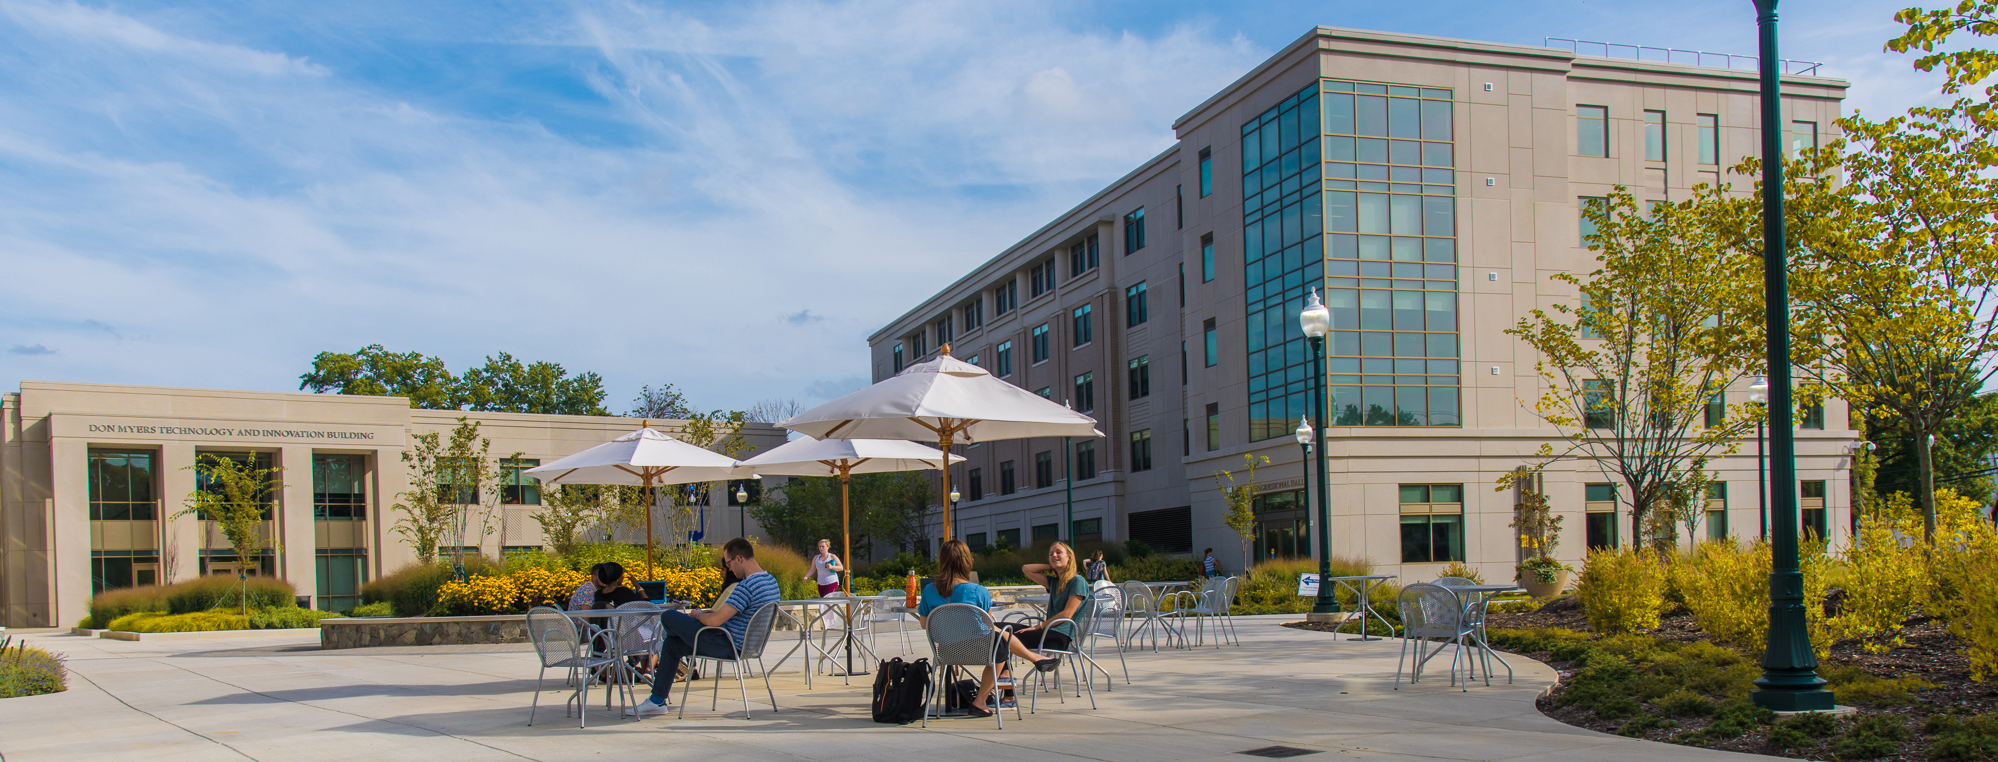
(844, 458)
(646, 457)
(947, 401)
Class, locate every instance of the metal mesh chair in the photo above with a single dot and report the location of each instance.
(1081, 624)
(1108, 622)
(1454, 581)
(1141, 605)
(559, 643)
(637, 635)
(1431, 612)
(880, 613)
(755, 637)
(961, 635)
(1202, 606)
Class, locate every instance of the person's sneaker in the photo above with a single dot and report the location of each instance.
(1048, 664)
(647, 708)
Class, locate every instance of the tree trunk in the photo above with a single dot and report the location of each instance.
(1926, 486)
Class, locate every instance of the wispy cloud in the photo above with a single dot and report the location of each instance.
(803, 317)
(30, 350)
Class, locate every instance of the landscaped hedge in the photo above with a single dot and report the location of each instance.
(29, 671)
(192, 596)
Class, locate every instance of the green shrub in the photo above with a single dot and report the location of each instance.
(521, 560)
(222, 591)
(86, 623)
(111, 604)
(793, 571)
(199, 621)
(1957, 738)
(1152, 567)
(1735, 717)
(898, 566)
(1685, 703)
(410, 590)
(1856, 687)
(1621, 590)
(1637, 728)
(1464, 570)
(378, 608)
(1801, 731)
(29, 671)
(1560, 644)
(1871, 737)
(287, 618)
(1135, 549)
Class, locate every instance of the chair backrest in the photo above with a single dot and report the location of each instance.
(961, 634)
(1228, 591)
(757, 634)
(1430, 611)
(554, 634)
(877, 607)
(1138, 598)
(1211, 590)
(637, 634)
(1108, 617)
(1453, 581)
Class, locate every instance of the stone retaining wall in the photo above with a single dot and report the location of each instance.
(368, 632)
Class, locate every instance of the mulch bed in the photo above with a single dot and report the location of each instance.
(1930, 653)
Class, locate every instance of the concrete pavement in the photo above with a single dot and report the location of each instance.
(281, 699)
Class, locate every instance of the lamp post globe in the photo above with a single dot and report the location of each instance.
(741, 509)
(1758, 393)
(1316, 322)
(1304, 431)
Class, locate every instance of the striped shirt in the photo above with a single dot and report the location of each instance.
(748, 596)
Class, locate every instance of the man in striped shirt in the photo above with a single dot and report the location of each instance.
(756, 589)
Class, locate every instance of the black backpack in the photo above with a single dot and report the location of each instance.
(898, 690)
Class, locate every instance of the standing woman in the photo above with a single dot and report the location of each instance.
(826, 568)
(1095, 569)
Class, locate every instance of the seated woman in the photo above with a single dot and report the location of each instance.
(1068, 599)
(611, 591)
(953, 585)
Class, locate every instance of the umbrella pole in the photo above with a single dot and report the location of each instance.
(846, 557)
(943, 442)
(648, 526)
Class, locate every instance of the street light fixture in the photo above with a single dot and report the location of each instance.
(1758, 393)
(742, 509)
(1316, 321)
(1304, 443)
(954, 513)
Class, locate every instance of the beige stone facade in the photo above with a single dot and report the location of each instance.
(50, 434)
(1517, 170)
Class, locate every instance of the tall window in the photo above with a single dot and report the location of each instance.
(1083, 332)
(1082, 256)
(1592, 130)
(1206, 172)
(1213, 426)
(974, 314)
(339, 488)
(1803, 136)
(1716, 410)
(1139, 373)
(919, 343)
(1181, 280)
(944, 332)
(976, 478)
(1598, 405)
(1141, 450)
(516, 487)
(1040, 278)
(1213, 342)
(1654, 136)
(1814, 416)
(1588, 224)
(1040, 340)
(1811, 509)
(1432, 523)
(1136, 307)
(1182, 364)
(1185, 439)
(898, 358)
(1709, 138)
(1005, 297)
(1206, 257)
(1007, 485)
(1085, 460)
(1134, 230)
(1004, 359)
(1044, 469)
(1179, 207)
(1717, 511)
(1599, 515)
(1087, 530)
(121, 486)
(1085, 393)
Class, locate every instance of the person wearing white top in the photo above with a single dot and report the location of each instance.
(826, 568)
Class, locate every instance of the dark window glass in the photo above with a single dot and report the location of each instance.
(121, 487)
(1007, 486)
(1085, 393)
(1043, 470)
(339, 486)
(1040, 339)
(1212, 340)
(1206, 257)
(1206, 172)
(1139, 372)
(976, 478)
(1598, 405)
(1141, 450)
(1213, 426)
(1083, 330)
(1004, 357)
(1136, 307)
(1134, 230)
(1085, 460)
(898, 358)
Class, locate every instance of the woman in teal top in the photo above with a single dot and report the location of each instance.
(1068, 598)
(953, 585)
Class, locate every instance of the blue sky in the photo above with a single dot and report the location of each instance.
(724, 196)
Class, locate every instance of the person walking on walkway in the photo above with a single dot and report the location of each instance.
(826, 568)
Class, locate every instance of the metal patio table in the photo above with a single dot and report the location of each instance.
(615, 645)
(1480, 598)
(1362, 587)
(846, 642)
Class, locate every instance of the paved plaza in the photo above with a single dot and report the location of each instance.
(280, 698)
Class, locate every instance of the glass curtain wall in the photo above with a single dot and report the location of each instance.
(124, 516)
(1380, 238)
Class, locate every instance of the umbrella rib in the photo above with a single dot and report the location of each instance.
(835, 429)
(627, 469)
(565, 475)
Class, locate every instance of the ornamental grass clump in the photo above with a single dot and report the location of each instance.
(112, 604)
(225, 591)
(29, 671)
(1621, 590)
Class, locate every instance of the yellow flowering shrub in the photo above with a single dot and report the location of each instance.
(1886, 576)
(480, 595)
(1726, 587)
(699, 585)
(1964, 563)
(1621, 590)
(547, 587)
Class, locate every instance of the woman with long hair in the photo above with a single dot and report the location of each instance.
(1068, 599)
(953, 584)
(826, 568)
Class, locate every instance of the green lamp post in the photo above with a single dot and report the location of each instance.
(1789, 681)
(1316, 321)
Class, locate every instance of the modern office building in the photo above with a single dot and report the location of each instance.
(93, 478)
(1429, 188)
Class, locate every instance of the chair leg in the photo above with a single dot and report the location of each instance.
(1398, 662)
(536, 704)
(766, 684)
(743, 687)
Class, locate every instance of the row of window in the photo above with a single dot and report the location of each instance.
(1085, 530)
(1592, 135)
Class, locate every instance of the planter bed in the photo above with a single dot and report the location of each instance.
(206, 634)
(369, 632)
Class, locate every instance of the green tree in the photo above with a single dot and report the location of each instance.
(664, 403)
(454, 491)
(375, 371)
(888, 508)
(569, 510)
(506, 385)
(1664, 324)
(1964, 447)
(236, 495)
(1240, 501)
